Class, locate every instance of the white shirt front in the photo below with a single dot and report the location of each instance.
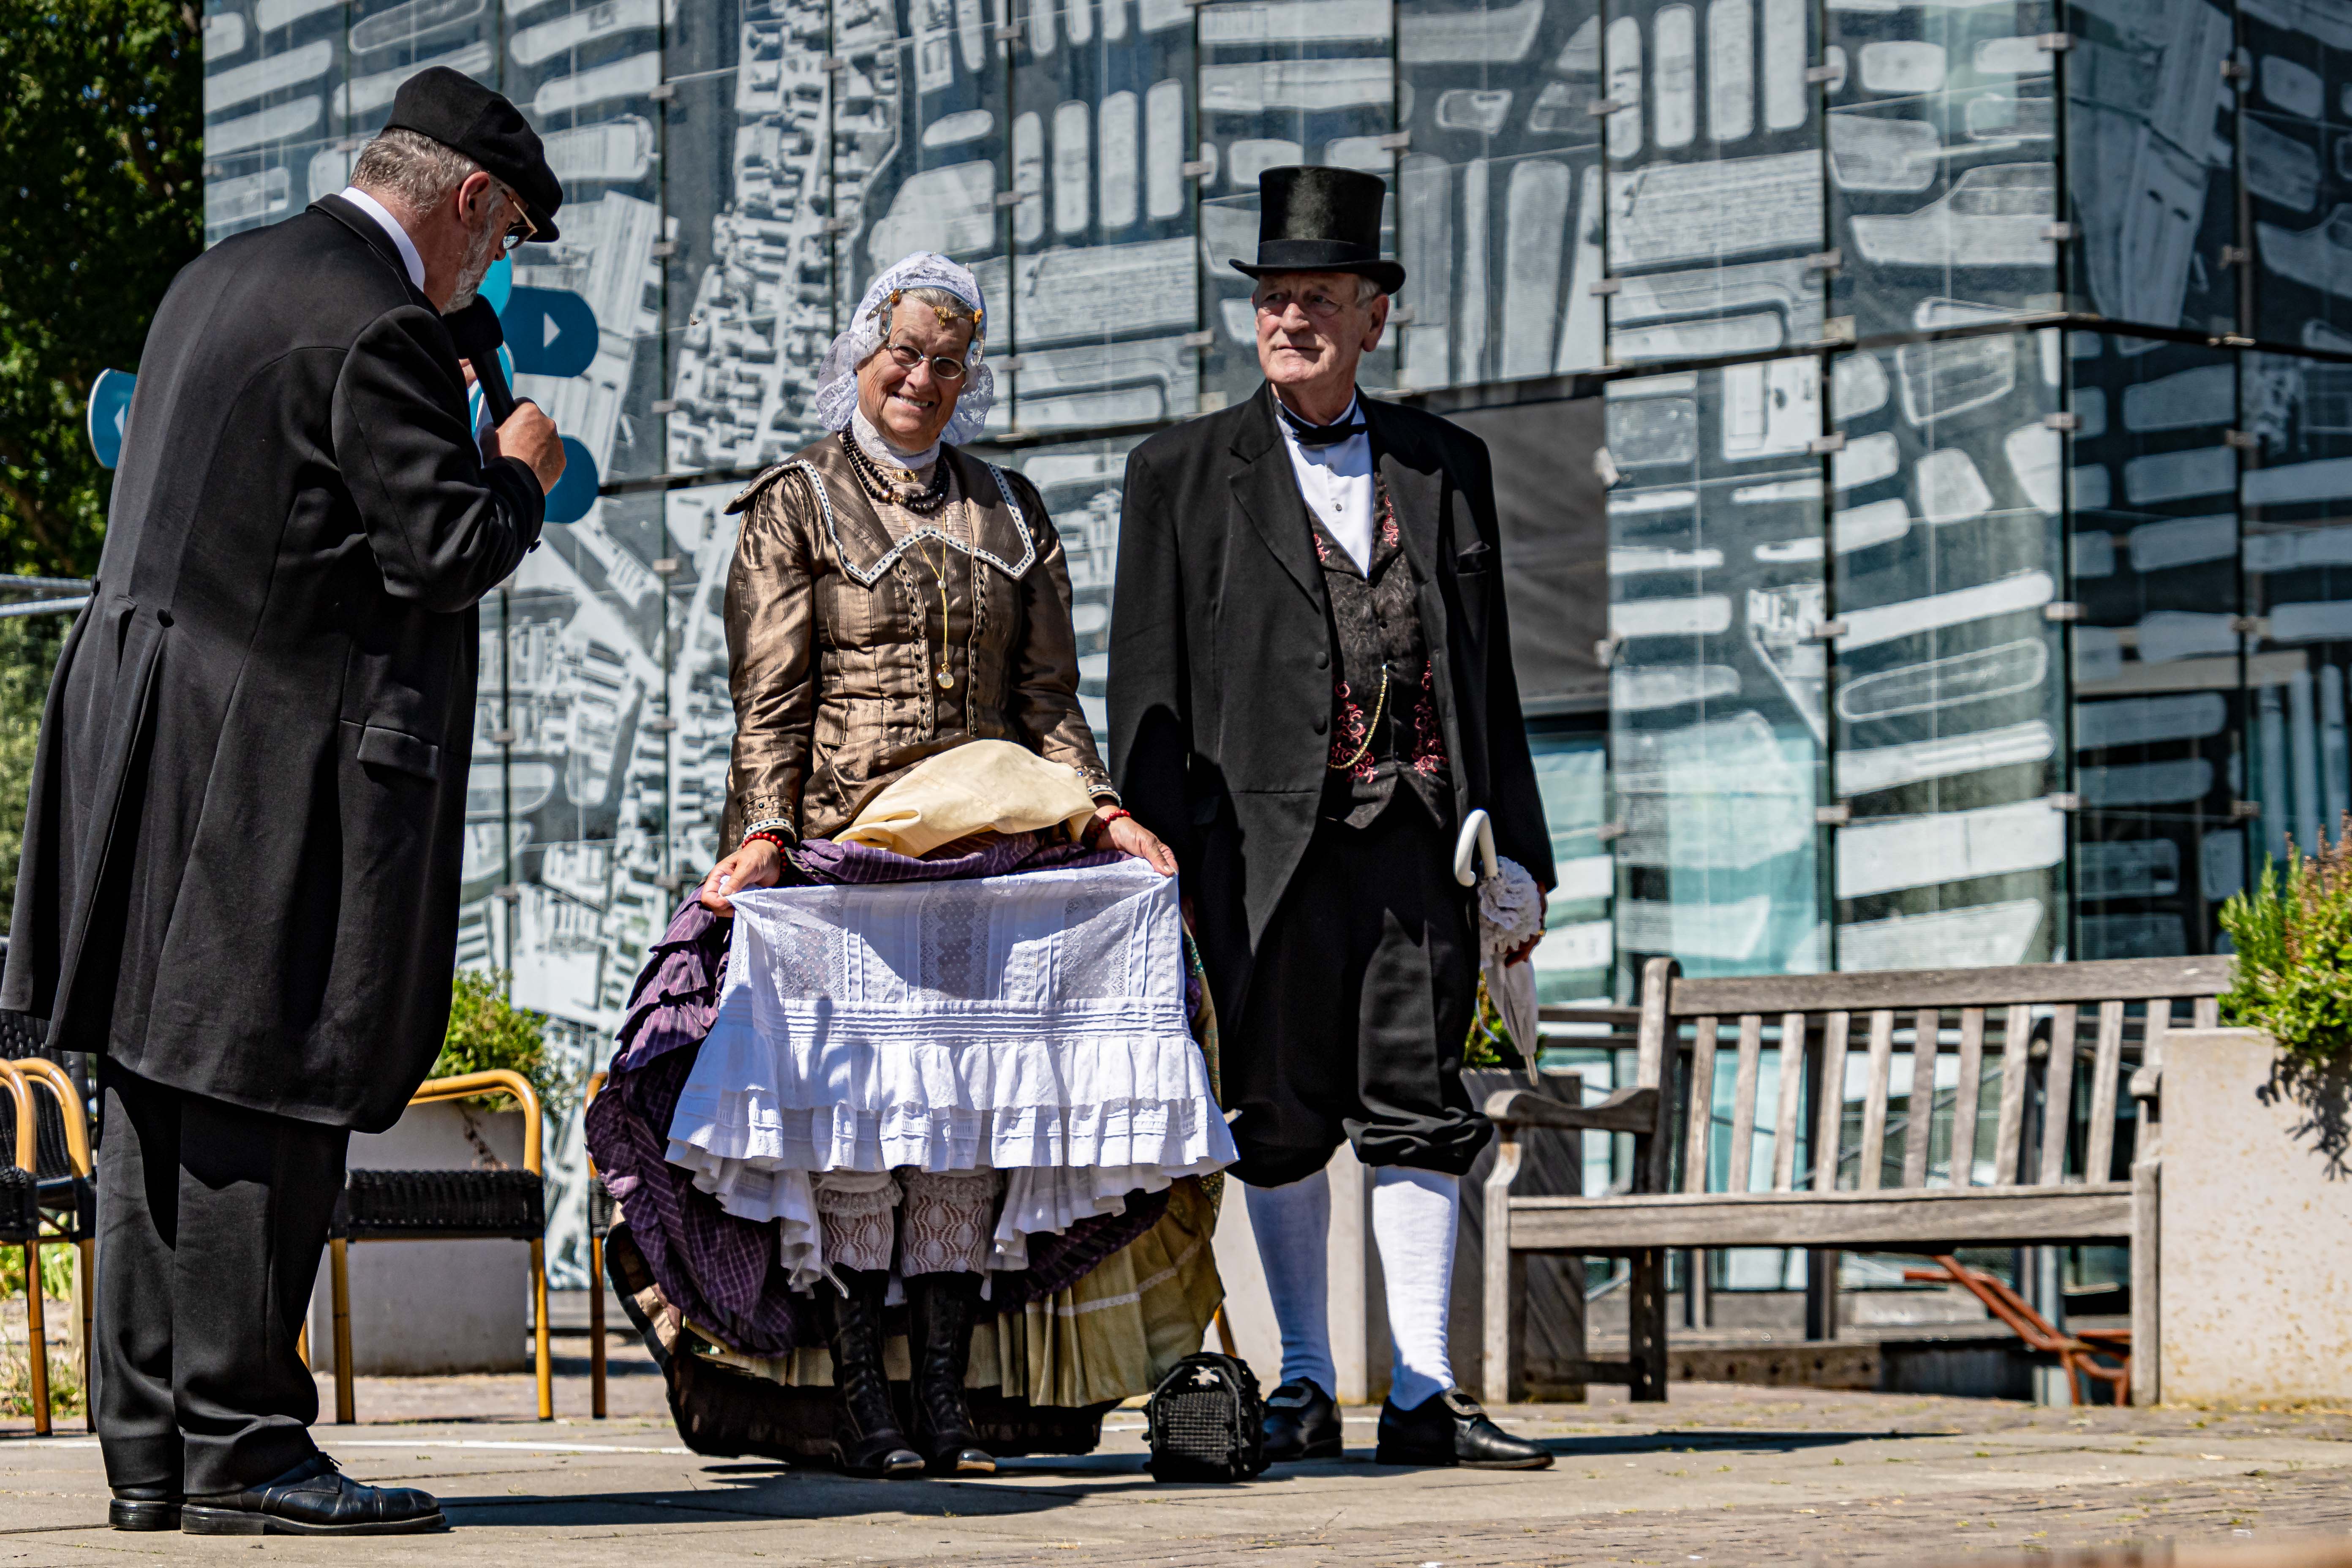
(390, 226)
(1335, 482)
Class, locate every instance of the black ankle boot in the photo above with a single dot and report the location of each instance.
(867, 1440)
(945, 1308)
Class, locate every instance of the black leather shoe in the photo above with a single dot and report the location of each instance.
(943, 1309)
(867, 1440)
(1452, 1428)
(1301, 1422)
(314, 1497)
(143, 1508)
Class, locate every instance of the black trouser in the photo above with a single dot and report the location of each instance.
(210, 1221)
(1360, 1001)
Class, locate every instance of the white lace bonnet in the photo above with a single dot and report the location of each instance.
(837, 389)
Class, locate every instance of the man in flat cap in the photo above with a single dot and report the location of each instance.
(1311, 691)
(239, 884)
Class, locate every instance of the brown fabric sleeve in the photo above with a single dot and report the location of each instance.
(771, 614)
(1044, 665)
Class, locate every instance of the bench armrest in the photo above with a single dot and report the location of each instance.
(1627, 1110)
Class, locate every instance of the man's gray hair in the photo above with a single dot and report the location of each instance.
(412, 170)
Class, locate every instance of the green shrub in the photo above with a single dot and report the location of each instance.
(488, 1032)
(2293, 937)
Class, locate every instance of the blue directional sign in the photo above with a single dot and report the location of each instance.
(548, 331)
(110, 405)
(575, 492)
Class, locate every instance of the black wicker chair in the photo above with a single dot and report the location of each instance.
(65, 1199)
(447, 1205)
(20, 1225)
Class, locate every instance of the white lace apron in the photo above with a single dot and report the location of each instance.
(1034, 1024)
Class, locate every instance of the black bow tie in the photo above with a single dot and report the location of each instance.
(1307, 434)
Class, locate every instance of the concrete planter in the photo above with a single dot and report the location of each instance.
(2256, 1224)
(434, 1306)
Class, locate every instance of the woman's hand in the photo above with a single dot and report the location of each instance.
(1543, 907)
(1128, 836)
(758, 864)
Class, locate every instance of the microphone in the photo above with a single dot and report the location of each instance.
(479, 335)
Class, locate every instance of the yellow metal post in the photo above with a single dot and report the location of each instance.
(339, 1263)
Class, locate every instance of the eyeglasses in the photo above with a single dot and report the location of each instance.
(522, 233)
(1318, 305)
(942, 368)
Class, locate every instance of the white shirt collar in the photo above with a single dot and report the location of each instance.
(390, 226)
(1284, 414)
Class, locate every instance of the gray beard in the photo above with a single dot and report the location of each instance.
(474, 268)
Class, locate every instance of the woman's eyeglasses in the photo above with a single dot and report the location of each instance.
(943, 369)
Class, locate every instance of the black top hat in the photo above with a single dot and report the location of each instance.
(459, 112)
(1321, 220)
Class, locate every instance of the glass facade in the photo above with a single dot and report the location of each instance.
(1956, 400)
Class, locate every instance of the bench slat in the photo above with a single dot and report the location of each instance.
(1872, 1161)
(2105, 1068)
(1793, 1085)
(2016, 1042)
(2208, 1011)
(1862, 991)
(1700, 1118)
(1830, 1120)
(1633, 1110)
(1743, 1102)
(1892, 1221)
(1919, 1121)
(1655, 1068)
(1964, 1103)
(2149, 1143)
(2057, 1095)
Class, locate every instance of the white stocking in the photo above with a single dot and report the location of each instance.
(1413, 1218)
(852, 1211)
(944, 1228)
(1292, 1226)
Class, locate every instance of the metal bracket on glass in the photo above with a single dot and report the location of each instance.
(1197, 168)
(1826, 631)
(663, 250)
(667, 566)
(662, 92)
(502, 737)
(2235, 255)
(833, 63)
(1400, 317)
(1838, 330)
(1010, 199)
(2058, 231)
(2240, 440)
(1816, 75)
(1006, 361)
(1395, 141)
(1832, 442)
(2250, 625)
(1604, 286)
(1836, 816)
(2235, 70)
(1823, 261)
(2064, 800)
(1610, 832)
(661, 724)
(2062, 610)
(2068, 422)
(510, 893)
(2245, 810)
(1007, 34)
(1604, 652)
(1206, 338)
(839, 225)
(1601, 108)
(667, 405)
(2054, 43)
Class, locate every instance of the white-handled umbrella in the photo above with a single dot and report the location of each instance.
(1510, 910)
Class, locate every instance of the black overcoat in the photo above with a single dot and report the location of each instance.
(1220, 681)
(243, 844)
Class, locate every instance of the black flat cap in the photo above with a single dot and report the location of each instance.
(460, 113)
(1321, 220)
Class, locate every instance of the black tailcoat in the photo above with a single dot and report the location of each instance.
(243, 845)
(1219, 683)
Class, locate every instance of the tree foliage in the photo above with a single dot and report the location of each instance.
(101, 182)
(488, 1032)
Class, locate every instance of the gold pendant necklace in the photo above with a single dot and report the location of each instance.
(935, 559)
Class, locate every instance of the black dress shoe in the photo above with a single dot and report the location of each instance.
(314, 1497)
(1451, 1428)
(1301, 1422)
(143, 1508)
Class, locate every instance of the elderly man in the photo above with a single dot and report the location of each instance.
(1311, 690)
(239, 883)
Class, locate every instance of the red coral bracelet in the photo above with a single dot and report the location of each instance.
(1101, 824)
(775, 838)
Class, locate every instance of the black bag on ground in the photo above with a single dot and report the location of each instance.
(1207, 1422)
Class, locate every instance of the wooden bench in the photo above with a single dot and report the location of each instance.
(2043, 1033)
